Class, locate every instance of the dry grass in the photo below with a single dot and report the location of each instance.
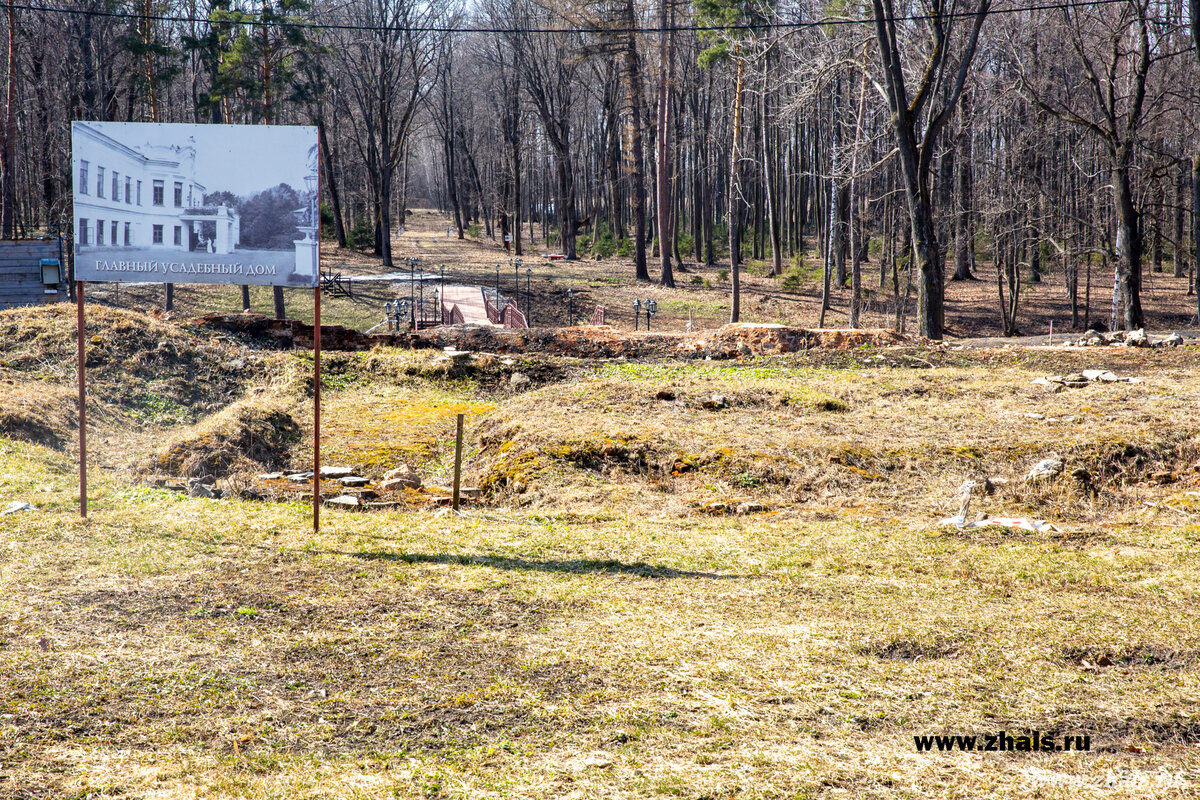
(596, 635)
(39, 412)
(250, 435)
(881, 440)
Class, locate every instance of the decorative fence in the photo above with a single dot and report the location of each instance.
(598, 316)
(513, 318)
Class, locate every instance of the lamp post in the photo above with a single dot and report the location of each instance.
(310, 183)
(528, 297)
(497, 290)
(570, 307)
(442, 294)
(395, 310)
(637, 309)
(516, 262)
(412, 291)
(651, 307)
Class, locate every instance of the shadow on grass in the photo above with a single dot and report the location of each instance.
(579, 565)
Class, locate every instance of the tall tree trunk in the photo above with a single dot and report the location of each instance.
(964, 244)
(735, 156)
(663, 137)
(335, 198)
(771, 188)
(515, 147)
(1179, 248)
(1196, 197)
(1194, 25)
(634, 152)
(1129, 242)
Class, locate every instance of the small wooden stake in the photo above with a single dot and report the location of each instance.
(457, 461)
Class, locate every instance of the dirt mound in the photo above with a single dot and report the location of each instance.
(754, 339)
(582, 341)
(40, 413)
(248, 436)
(135, 362)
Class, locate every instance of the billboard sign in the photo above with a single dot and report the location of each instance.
(175, 203)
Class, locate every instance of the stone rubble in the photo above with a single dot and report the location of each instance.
(1044, 470)
(1137, 338)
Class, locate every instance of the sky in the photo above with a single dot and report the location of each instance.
(242, 159)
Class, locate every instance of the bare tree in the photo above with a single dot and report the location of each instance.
(918, 116)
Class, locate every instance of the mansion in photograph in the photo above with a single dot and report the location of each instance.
(144, 197)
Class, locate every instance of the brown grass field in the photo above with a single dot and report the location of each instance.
(595, 626)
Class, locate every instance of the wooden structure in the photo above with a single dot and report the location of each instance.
(23, 281)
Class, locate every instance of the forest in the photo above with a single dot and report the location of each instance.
(894, 145)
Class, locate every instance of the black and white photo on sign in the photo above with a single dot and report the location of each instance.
(195, 203)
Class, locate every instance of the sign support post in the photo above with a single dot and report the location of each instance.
(82, 402)
(207, 246)
(317, 409)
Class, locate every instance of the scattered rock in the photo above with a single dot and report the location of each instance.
(270, 476)
(1163, 477)
(387, 505)
(1045, 469)
(335, 472)
(300, 477)
(751, 507)
(1056, 383)
(17, 505)
(353, 480)
(1035, 415)
(664, 394)
(202, 487)
(1137, 338)
(457, 358)
(1174, 340)
(402, 477)
(519, 381)
(716, 402)
(344, 501)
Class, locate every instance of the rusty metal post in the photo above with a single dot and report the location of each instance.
(82, 401)
(317, 409)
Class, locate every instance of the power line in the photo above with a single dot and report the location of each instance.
(749, 27)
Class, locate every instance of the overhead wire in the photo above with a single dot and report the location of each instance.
(516, 31)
